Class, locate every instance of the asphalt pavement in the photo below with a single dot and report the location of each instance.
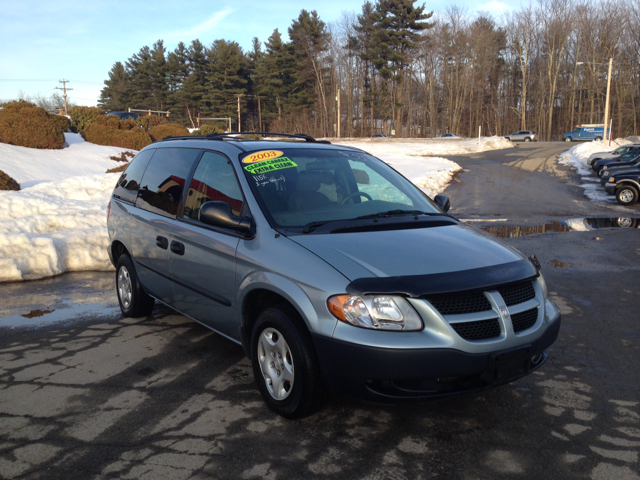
(89, 394)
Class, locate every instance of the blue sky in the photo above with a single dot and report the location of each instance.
(42, 42)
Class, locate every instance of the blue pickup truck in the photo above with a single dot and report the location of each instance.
(585, 133)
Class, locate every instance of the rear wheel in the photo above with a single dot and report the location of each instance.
(527, 139)
(285, 366)
(133, 300)
(626, 195)
(567, 139)
(598, 139)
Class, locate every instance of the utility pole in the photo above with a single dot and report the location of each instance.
(259, 116)
(239, 124)
(606, 107)
(64, 94)
(338, 99)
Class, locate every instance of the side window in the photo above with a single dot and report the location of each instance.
(163, 181)
(214, 179)
(129, 182)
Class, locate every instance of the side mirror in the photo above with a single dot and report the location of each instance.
(218, 214)
(443, 202)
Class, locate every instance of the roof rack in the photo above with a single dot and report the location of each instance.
(232, 135)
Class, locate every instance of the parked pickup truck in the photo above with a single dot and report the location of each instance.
(585, 133)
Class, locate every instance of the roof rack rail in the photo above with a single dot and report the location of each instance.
(300, 136)
(232, 135)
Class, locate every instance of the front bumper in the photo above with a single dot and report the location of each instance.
(610, 188)
(396, 375)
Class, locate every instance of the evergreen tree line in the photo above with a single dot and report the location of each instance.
(396, 68)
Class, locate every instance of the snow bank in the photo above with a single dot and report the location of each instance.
(30, 166)
(55, 227)
(57, 223)
(427, 147)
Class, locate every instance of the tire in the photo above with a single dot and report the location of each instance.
(568, 139)
(281, 346)
(597, 139)
(623, 222)
(527, 139)
(626, 195)
(133, 300)
(508, 138)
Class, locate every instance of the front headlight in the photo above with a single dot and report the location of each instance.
(612, 180)
(380, 312)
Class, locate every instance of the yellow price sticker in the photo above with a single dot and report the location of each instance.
(262, 156)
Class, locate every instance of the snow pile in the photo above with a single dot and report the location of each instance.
(30, 166)
(577, 156)
(55, 227)
(427, 147)
(57, 223)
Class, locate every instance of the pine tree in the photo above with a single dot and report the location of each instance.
(113, 96)
(227, 78)
(396, 34)
(193, 91)
(309, 39)
(177, 72)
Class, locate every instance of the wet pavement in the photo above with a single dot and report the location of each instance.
(101, 396)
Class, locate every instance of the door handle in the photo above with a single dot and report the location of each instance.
(177, 248)
(162, 242)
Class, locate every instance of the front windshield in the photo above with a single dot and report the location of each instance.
(297, 186)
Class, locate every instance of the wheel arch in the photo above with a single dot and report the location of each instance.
(268, 290)
(627, 182)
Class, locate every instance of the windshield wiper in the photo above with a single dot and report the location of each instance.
(311, 226)
(398, 212)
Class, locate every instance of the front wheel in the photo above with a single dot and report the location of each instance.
(567, 139)
(626, 195)
(133, 300)
(284, 363)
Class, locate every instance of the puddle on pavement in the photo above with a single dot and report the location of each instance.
(571, 225)
(63, 312)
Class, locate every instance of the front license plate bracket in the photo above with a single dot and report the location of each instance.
(508, 364)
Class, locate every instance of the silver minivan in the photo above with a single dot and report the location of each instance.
(331, 270)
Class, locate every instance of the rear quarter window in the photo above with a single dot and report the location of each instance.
(129, 182)
(163, 180)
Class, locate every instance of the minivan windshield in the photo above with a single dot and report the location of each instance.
(297, 187)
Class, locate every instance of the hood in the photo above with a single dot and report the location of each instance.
(400, 253)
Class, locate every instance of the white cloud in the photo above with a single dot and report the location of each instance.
(204, 27)
(494, 7)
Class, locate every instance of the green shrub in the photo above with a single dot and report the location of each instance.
(8, 183)
(121, 168)
(149, 121)
(168, 130)
(111, 131)
(83, 116)
(63, 123)
(207, 129)
(24, 124)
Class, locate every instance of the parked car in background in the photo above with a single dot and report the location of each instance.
(124, 115)
(612, 155)
(449, 135)
(625, 186)
(329, 268)
(622, 160)
(522, 136)
(585, 133)
(378, 136)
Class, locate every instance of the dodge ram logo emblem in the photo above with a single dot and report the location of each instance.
(504, 313)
